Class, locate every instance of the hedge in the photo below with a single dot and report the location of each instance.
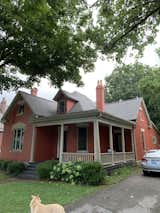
(91, 173)
(44, 169)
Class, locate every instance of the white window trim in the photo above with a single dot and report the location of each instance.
(15, 127)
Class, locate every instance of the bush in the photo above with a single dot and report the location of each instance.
(15, 167)
(93, 173)
(4, 164)
(79, 173)
(1, 164)
(44, 169)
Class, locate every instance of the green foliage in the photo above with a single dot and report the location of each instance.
(45, 38)
(79, 173)
(123, 83)
(123, 24)
(15, 167)
(4, 164)
(44, 169)
(93, 173)
(129, 81)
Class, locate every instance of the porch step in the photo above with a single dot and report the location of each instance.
(30, 172)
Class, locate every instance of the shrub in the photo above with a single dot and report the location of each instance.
(1, 164)
(4, 164)
(93, 173)
(15, 167)
(44, 169)
(79, 173)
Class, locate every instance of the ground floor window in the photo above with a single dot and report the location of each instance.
(17, 139)
(82, 139)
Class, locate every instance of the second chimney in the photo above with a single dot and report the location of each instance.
(34, 91)
(100, 96)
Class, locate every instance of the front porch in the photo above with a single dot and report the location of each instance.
(93, 140)
(105, 158)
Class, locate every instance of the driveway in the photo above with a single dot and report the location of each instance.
(137, 194)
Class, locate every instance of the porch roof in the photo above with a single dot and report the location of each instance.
(77, 117)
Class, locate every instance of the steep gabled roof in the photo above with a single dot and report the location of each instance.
(39, 106)
(83, 104)
(127, 109)
(65, 93)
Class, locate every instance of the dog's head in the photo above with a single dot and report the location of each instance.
(35, 200)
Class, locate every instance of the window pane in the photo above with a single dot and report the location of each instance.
(82, 139)
(18, 139)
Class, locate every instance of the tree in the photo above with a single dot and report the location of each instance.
(126, 23)
(150, 88)
(123, 83)
(129, 81)
(44, 38)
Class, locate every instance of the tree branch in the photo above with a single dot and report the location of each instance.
(132, 28)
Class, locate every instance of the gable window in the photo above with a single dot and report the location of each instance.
(18, 134)
(82, 139)
(62, 106)
(20, 109)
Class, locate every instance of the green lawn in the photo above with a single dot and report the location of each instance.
(15, 195)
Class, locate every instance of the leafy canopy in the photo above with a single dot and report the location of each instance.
(126, 23)
(44, 38)
(129, 81)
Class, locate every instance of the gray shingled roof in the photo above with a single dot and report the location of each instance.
(40, 106)
(127, 109)
(124, 109)
(83, 104)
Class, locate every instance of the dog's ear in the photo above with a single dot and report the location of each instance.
(32, 196)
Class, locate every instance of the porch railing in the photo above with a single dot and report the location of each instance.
(106, 158)
(67, 156)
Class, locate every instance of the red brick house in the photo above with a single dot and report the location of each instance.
(72, 127)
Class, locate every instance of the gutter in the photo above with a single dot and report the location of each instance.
(89, 115)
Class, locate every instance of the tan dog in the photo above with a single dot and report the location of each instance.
(37, 207)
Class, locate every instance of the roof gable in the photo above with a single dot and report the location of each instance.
(39, 106)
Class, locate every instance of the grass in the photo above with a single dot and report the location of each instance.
(15, 195)
(3, 176)
(120, 174)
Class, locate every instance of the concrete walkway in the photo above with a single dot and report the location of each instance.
(137, 194)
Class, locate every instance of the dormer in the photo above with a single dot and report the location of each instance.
(65, 101)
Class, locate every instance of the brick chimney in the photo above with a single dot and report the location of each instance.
(34, 91)
(3, 105)
(100, 96)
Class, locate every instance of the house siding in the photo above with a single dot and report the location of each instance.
(142, 125)
(12, 119)
(46, 143)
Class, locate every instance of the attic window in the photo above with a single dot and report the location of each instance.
(61, 106)
(20, 109)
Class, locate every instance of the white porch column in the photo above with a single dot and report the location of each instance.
(133, 143)
(97, 151)
(33, 144)
(61, 142)
(111, 142)
(123, 144)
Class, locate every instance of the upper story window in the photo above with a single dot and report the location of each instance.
(18, 134)
(20, 109)
(61, 106)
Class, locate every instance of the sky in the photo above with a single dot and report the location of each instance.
(102, 69)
